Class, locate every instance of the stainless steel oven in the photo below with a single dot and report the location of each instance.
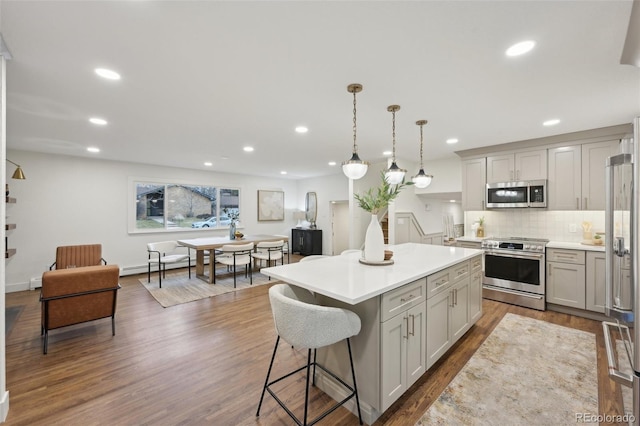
(514, 271)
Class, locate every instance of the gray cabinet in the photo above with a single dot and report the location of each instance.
(402, 340)
(454, 303)
(474, 179)
(595, 284)
(529, 165)
(566, 277)
(576, 175)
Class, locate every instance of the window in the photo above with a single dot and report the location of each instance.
(178, 207)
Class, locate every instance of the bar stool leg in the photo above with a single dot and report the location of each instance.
(306, 390)
(353, 374)
(266, 382)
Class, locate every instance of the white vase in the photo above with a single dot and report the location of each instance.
(374, 241)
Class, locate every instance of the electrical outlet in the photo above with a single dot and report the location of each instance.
(427, 207)
(572, 227)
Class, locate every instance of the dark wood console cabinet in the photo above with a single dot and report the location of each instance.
(306, 241)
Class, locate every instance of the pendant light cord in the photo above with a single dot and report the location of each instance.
(421, 167)
(355, 146)
(393, 132)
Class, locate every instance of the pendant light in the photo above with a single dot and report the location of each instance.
(421, 180)
(354, 168)
(394, 174)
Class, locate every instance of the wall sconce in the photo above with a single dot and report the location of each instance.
(18, 174)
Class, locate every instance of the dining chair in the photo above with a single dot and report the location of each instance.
(165, 252)
(285, 247)
(234, 255)
(269, 251)
(302, 322)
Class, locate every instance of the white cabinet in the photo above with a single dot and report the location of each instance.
(576, 176)
(529, 165)
(474, 180)
(454, 303)
(566, 277)
(403, 345)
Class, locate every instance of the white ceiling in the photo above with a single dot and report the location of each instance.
(202, 79)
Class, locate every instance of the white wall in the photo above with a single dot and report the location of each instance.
(447, 176)
(327, 188)
(69, 200)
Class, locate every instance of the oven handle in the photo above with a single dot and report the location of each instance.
(509, 254)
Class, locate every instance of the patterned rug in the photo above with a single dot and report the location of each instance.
(177, 288)
(526, 372)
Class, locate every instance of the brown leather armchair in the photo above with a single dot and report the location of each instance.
(76, 295)
(77, 256)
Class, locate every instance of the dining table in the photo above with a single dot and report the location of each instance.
(210, 244)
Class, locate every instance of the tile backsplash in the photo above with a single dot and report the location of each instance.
(534, 223)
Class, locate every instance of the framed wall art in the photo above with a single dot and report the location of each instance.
(270, 205)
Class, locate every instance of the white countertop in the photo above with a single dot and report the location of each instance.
(574, 246)
(344, 278)
(471, 239)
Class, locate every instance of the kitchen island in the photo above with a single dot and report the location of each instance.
(412, 312)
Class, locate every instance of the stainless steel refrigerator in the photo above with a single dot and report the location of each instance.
(622, 296)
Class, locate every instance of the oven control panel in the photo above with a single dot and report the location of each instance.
(525, 246)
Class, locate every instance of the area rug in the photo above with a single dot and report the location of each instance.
(177, 288)
(526, 372)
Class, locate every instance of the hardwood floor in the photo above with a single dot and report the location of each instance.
(202, 363)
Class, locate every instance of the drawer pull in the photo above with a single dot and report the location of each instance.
(439, 283)
(403, 300)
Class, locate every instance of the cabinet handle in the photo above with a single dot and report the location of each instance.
(407, 335)
(577, 203)
(439, 283)
(455, 296)
(413, 325)
(511, 174)
(585, 203)
(403, 300)
(451, 295)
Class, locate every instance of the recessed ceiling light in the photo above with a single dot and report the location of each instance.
(302, 129)
(93, 149)
(452, 201)
(520, 48)
(551, 122)
(108, 74)
(283, 172)
(332, 163)
(208, 163)
(387, 153)
(452, 140)
(248, 149)
(98, 121)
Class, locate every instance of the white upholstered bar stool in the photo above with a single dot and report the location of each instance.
(302, 323)
(312, 257)
(349, 251)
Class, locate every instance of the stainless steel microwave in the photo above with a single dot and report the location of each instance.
(531, 193)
